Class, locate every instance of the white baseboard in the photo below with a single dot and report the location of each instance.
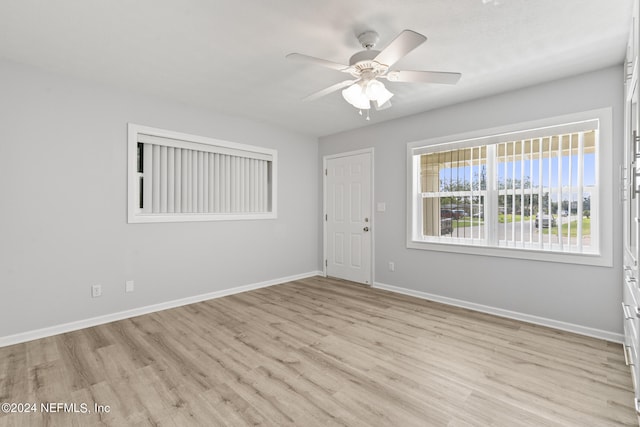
(570, 327)
(107, 318)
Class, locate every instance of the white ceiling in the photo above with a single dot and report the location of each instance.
(229, 55)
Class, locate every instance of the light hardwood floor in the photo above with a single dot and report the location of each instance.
(320, 352)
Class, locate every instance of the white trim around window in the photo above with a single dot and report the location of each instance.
(502, 195)
(177, 177)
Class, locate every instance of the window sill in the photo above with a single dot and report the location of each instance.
(594, 259)
(192, 217)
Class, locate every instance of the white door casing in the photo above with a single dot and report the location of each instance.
(348, 184)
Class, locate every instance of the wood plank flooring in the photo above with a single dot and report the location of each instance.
(319, 352)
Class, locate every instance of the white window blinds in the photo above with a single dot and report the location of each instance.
(188, 178)
(538, 193)
(532, 190)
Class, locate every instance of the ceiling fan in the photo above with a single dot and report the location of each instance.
(370, 65)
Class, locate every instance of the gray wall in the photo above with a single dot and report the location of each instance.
(577, 294)
(63, 206)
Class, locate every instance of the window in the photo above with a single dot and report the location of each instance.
(532, 190)
(179, 177)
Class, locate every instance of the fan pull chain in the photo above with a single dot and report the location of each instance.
(366, 118)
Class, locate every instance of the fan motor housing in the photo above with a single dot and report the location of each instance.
(364, 61)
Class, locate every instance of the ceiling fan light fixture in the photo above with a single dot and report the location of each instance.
(376, 91)
(355, 95)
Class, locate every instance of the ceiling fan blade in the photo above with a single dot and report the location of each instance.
(329, 90)
(404, 43)
(317, 61)
(423, 77)
(383, 106)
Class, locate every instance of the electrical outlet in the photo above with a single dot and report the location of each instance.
(128, 286)
(96, 291)
(392, 266)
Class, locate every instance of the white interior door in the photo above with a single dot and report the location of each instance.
(348, 225)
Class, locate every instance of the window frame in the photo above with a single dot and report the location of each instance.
(134, 215)
(604, 179)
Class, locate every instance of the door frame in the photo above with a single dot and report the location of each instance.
(325, 159)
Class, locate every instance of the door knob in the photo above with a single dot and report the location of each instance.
(366, 229)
